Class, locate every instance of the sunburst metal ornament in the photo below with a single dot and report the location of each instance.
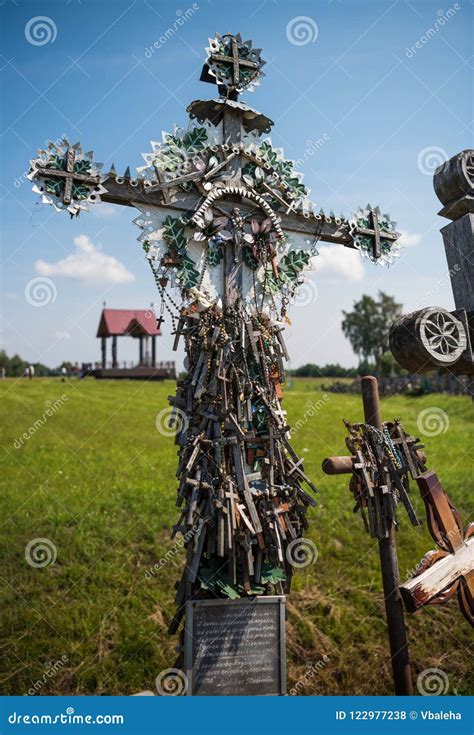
(233, 64)
(375, 235)
(67, 178)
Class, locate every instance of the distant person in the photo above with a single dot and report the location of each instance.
(3, 373)
(63, 373)
(31, 372)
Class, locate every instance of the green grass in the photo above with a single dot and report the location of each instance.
(98, 480)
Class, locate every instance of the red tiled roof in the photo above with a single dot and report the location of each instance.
(127, 321)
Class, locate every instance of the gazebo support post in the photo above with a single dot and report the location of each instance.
(114, 352)
(104, 352)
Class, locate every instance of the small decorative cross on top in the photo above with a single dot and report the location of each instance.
(373, 232)
(233, 63)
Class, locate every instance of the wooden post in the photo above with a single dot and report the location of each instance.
(140, 350)
(153, 351)
(389, 566)
(114, 351)
(104, 352)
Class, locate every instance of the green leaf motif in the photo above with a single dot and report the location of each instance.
(268, 153)
(56, 162)
(169, 159)
(173, 232)
(215, 255)
(283, 168)
(289, 269)
(296, 187)
(294, 262)
(272, 575)
(214, 579)
(195, 140)
(54, 186)
(82, 167)
(188, 276)
(80, 191)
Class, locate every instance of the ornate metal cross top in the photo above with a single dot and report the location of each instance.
(232, 64)
(373, 232)
(228, 228)
(67, 177)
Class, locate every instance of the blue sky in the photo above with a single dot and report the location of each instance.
(384, 108)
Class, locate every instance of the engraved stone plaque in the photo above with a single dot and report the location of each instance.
(235, 647)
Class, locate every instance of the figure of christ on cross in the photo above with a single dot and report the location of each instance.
(226, 223)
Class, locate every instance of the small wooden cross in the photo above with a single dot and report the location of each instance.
(235, 60)
(449, 570)
(69, 175)
(374, 232)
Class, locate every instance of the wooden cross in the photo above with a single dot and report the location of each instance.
(68, 175)
(450, 570)
(374, 232)
(235, 60)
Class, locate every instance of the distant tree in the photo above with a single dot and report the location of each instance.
(15, 366)
(325, 371)
(367, 326)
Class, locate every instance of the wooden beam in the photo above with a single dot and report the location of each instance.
(421, 589)
(326, 228)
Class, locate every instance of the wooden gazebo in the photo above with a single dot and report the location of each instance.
(140, 324)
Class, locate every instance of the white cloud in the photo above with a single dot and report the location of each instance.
(409, 239)
(63, 334)
(104, 209)
(337, 263)
(87, 264)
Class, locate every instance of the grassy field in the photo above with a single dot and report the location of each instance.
(96, 479)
